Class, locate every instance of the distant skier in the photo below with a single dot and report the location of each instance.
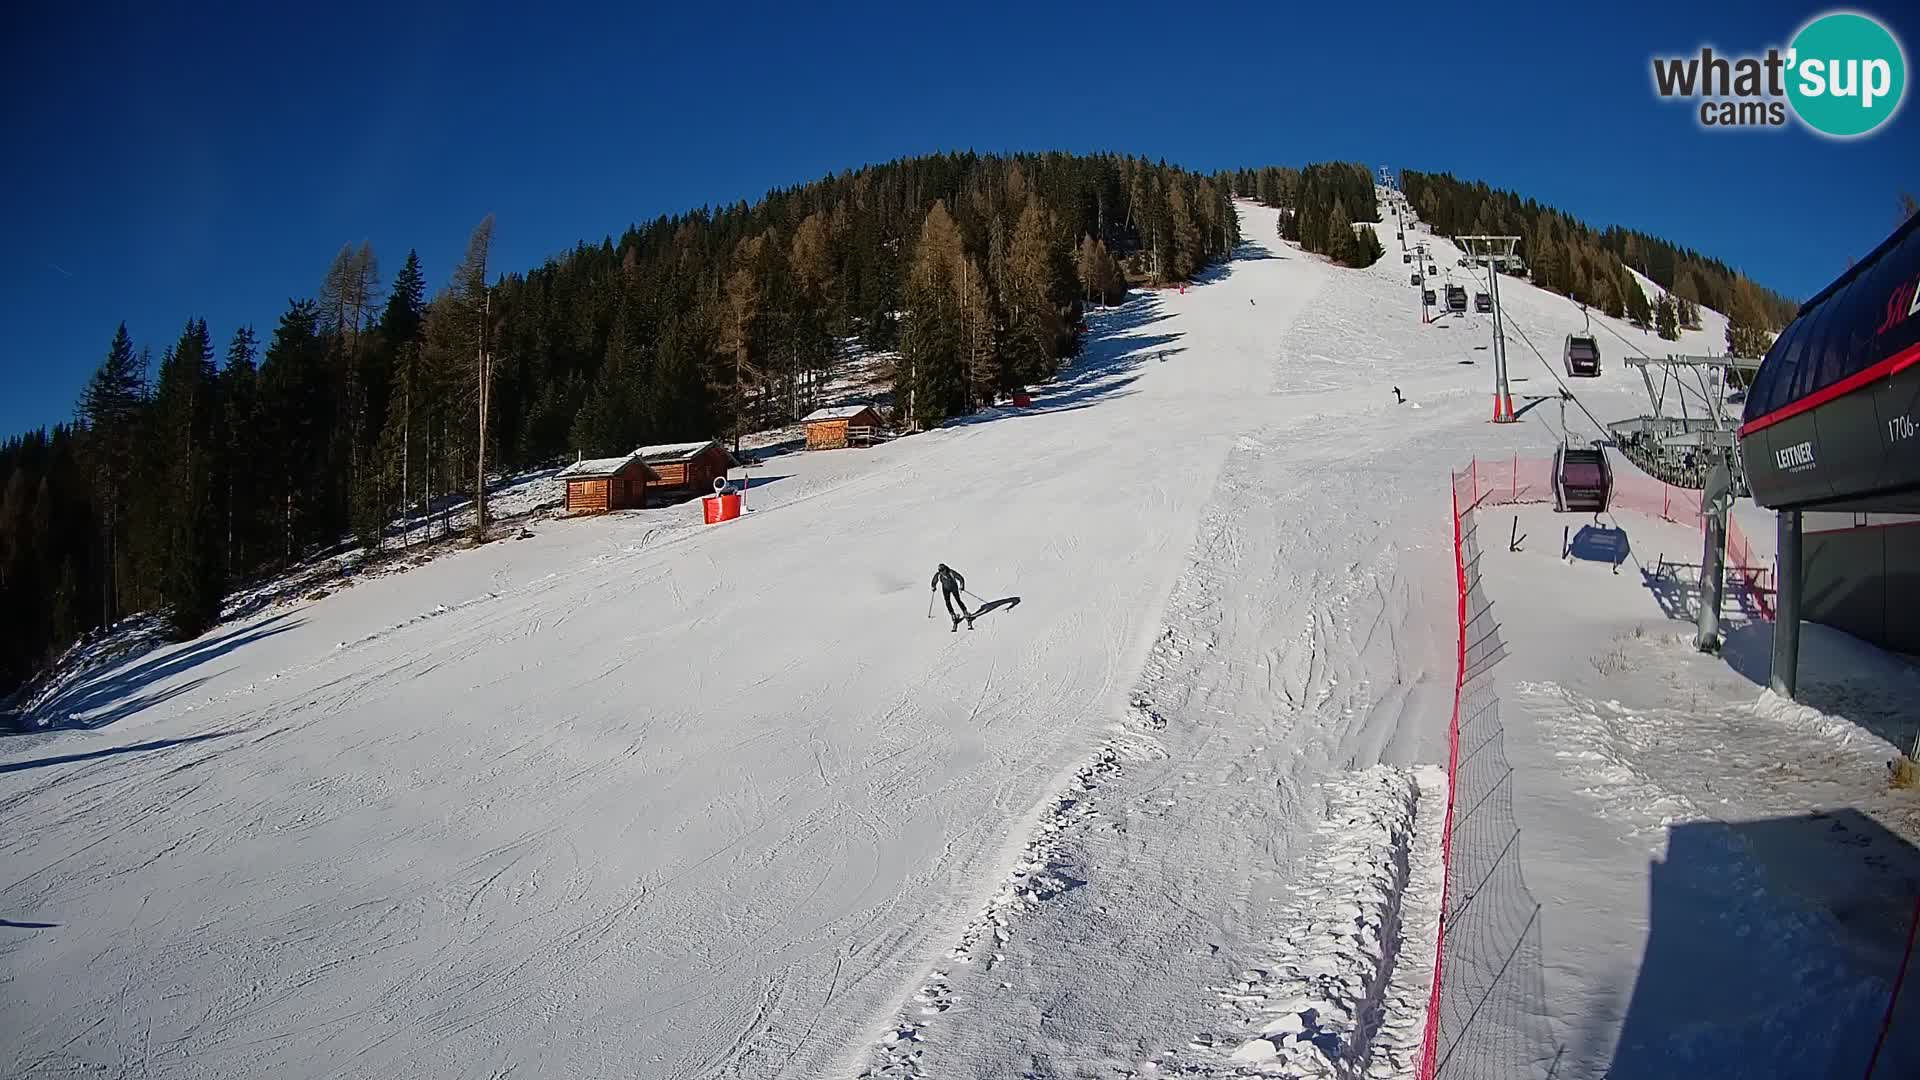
(949, 582)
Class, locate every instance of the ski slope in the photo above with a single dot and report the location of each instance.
(631, 796)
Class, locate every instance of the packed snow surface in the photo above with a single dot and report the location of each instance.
(632, 796)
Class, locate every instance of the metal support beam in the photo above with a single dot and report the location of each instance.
(1493, 250)
(1785, 676)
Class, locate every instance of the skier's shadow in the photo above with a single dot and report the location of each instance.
(996, 605)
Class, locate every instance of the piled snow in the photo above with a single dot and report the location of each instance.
(1325, 1008)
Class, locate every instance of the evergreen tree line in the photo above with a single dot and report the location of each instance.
(371, 402)
(1322, 203)
(1569, 257)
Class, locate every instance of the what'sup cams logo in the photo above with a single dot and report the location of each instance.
(1844, 75)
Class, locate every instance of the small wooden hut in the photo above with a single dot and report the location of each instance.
(683, 470)
(597, 485)
(843, 425)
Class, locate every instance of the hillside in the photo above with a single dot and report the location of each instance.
(632, 795)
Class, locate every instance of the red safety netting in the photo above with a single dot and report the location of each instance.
(1486, 1008)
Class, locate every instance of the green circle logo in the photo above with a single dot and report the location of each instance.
(1846, 75)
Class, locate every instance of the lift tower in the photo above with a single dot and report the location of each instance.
(1494, 252)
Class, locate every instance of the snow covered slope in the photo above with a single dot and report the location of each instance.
(637, 797)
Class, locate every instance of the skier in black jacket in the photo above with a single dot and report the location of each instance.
(949, 581)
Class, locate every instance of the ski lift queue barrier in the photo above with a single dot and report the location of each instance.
(1518, 481)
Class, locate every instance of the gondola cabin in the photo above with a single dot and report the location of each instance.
(844, 425)
(1426, 297)
(1456, 299)
(1416, 277)
(1582, 480)
(1582, 357)
(597, 485)
(1406, 257)
(1482, 303)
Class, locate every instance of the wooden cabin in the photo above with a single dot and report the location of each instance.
(597, 485)
(844, 425)
(684, 470)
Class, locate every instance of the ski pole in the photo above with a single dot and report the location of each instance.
(929, 603)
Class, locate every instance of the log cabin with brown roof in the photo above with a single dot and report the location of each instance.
(844, 425)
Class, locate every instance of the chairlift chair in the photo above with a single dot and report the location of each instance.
(1582, 357)
(1582, 480)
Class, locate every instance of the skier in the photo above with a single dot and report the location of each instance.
(949, 582)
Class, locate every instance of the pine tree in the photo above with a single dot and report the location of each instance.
(293, 394)
(244, 451)
(1666, 319)
(1638, 310)
(410, 393)
(111, 410)
(185, 410)
(1187, 251)
(1340, 245)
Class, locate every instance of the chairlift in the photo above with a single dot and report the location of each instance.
(1583, 353)
(1582, 480)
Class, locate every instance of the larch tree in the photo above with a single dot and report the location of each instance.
(930, 378)
(1746, 321)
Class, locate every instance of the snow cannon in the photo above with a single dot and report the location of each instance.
(723, 504)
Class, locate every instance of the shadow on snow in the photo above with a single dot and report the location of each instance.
(114, 751)
(120, 690)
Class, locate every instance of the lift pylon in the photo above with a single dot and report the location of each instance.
(1492, 252)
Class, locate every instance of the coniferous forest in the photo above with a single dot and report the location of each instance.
(1573, 259)
(1321, 204)
(226, 458)
(236, 452)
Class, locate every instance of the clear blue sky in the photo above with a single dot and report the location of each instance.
(160, 165)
